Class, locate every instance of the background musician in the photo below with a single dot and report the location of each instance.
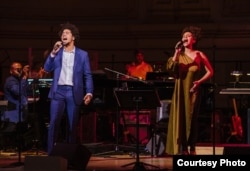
(140, 67)
(18, 75)
(15, 92)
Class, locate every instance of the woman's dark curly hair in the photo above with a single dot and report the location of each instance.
(196, 32)
(74, 30)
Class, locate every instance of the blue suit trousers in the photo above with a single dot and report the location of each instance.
(63, 99)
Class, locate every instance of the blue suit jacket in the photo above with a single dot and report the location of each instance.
(12, 94)
(82, 76)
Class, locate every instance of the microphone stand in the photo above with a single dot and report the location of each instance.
(117, 114)
(127, 76)
(117, 110)
(19, 127)
(19, 120)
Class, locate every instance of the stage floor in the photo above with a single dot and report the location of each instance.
(105, 158)
(108, 160)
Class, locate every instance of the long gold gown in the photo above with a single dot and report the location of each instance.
(182, 104)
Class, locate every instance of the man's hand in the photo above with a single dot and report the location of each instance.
(25, 72)
(87, 98)
(56, 48)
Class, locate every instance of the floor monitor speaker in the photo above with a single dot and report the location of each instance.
(77, 155)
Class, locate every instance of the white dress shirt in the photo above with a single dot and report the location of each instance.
(66, 75)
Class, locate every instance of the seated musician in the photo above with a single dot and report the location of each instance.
(140, 68)
(14, 83)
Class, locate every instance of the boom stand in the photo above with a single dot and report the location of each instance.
(139, 99)
(118, 88)
(19, 131)
(19, 120)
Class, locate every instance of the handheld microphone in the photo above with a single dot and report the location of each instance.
(57, 45)
(19, 71)
(179, 45)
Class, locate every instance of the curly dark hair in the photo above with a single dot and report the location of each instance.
(74, 30)
(196, 32)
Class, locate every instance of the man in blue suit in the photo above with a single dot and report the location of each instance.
(72, 83)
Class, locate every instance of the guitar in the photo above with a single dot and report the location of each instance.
(236, 120)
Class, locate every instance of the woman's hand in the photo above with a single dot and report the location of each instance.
(195, 86)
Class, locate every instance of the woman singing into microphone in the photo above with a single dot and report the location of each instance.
(190, 68)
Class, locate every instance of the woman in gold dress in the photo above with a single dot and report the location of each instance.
(187, 65)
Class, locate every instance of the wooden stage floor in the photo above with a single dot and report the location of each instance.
(110, 160)
(111, 163)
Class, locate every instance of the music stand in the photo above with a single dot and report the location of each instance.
(137, 99)
(124, 86)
